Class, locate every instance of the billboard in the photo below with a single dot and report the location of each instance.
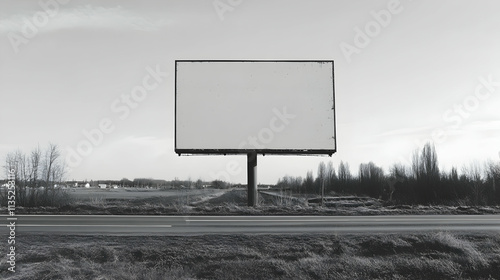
(262, 106)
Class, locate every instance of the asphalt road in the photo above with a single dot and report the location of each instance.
(186, 225)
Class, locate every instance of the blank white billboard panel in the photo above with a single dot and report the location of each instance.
(271, 107)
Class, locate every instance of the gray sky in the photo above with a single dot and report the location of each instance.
(405, 72)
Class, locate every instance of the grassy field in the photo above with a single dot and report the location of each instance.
(438, 255)
(231, 202)
(83, 194)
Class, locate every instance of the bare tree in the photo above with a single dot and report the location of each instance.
(321, 171)
(321, 179)
(16, 161)
(429, 162)
(309, 182)
(23, 166)
(473, 173)
(493, 174)
(345, 176)
(51, 166)
(331, 177)
(35, 159)
(426, 173)
(415, 165)
(58, 172)
(454, 174)
(371, 178)
(398, 174)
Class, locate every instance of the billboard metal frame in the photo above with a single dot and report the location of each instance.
(252, 191)
(256, 151)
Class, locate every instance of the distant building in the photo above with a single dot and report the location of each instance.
(265, 187)
(103, 186)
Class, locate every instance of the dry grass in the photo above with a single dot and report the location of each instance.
(439, 255)
(233, 202)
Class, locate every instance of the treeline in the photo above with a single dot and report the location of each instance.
(39, 174)
(162, 184)
(420, 183)
(43, 169)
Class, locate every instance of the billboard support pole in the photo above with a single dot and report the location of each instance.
(252, 178)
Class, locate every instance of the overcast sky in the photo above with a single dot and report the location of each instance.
(405, 72)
